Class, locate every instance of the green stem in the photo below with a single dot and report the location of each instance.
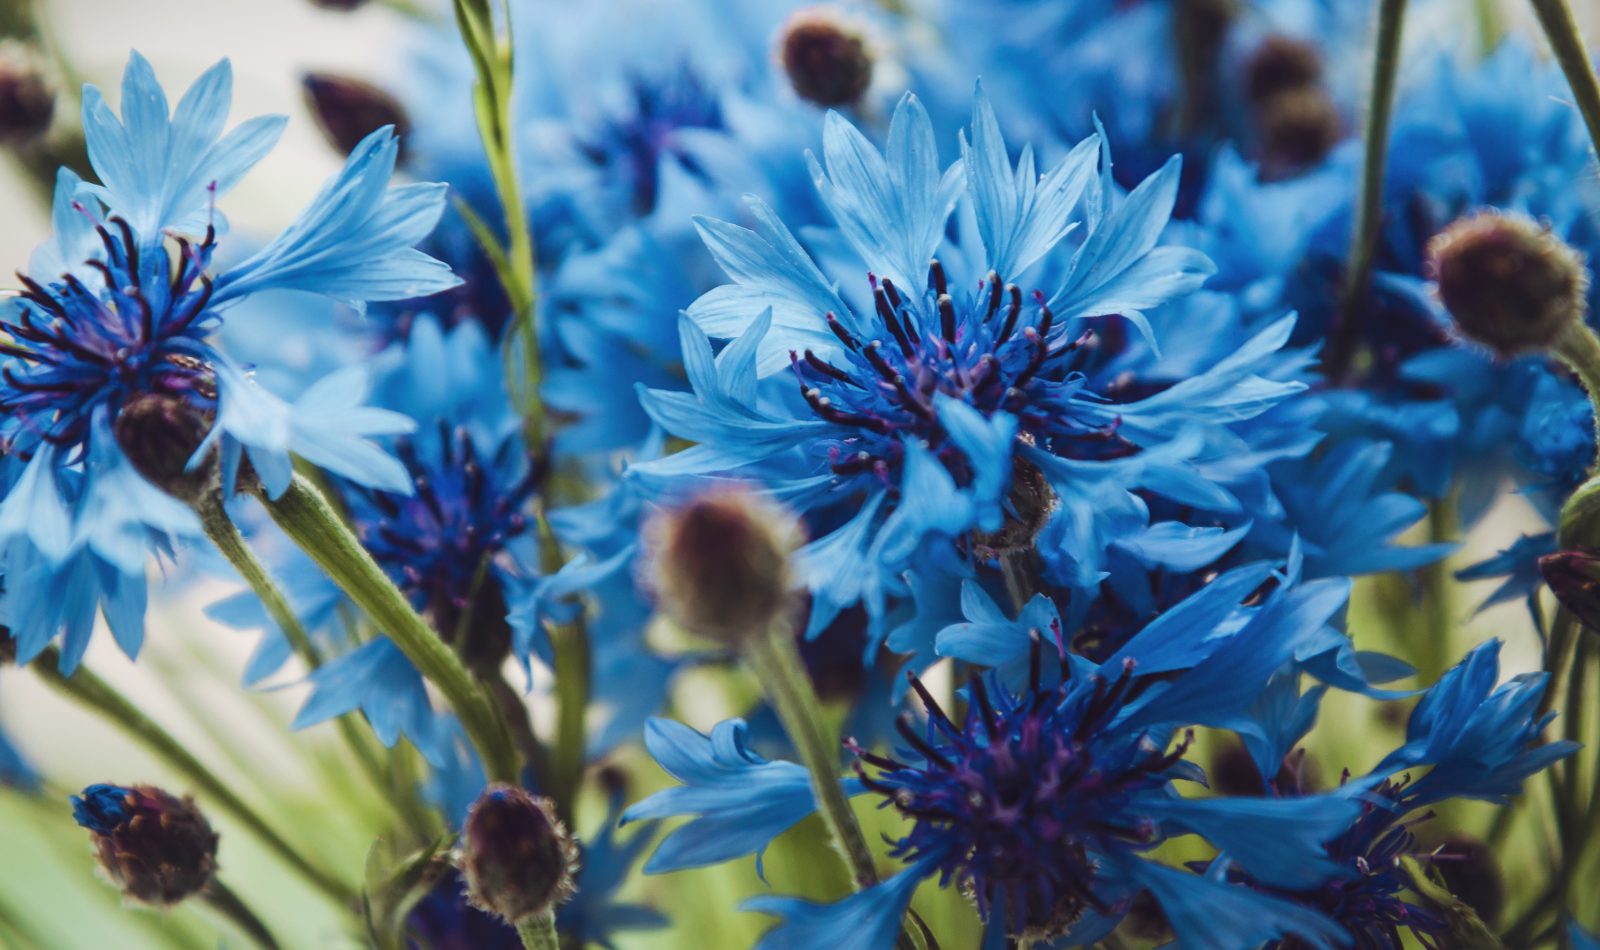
(773, 657)
(228, 904)
(94, 693)
(225, 535)
(539, 932)
(1347, 335)
(491, 52)
(573, 662)
(1490, 26)
(219, 527)
(305, 515)
(1561, 28)
(1579, 348)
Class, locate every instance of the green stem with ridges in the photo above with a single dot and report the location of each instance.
(539, 932)
(94, 693)
(1346, 338)
(305, 515)
(775, 660)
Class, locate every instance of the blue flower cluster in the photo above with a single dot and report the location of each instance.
(1037, 428)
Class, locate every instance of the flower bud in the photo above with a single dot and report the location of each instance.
(825, 57)
(159, 433)
(348, 109)
(27, 97)
(721, 563)
(1472, 873)
(1574, 577)
(517, 857)
(1281, 64)
(8, 646)
(159, 849)
(1298, 128)
(1509, 283)
(342, 6)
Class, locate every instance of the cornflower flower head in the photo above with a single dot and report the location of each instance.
(111, 375)
(944, 401)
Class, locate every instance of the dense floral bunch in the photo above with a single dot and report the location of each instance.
(999, 427)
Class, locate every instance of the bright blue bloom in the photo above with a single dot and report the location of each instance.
(1477, 741)
(594, 914)
(101, 808)
(866, 920)
(741, 800)
(377, 679)
(1582, 939)
(123, 303)
(918, 400)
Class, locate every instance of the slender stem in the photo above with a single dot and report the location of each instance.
(1580, 349)
(225, 535)
(573, 662)
(539, 932)
(304, 514)
(228, 904)
(773, 657)
(1438, 612)
(1346, 336)
(491, 51)
(1561, 28)
(94, 693)
(219, 527)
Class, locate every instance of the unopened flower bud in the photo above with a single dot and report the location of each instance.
(517, 857)
(1472, 872)
(343, 6)
(159, 433)
(1281, 64)
(1574, 577)
(348, 109)
(158, 848)
(1509, 283)
(27, 97)
(721, 563)
(1298, 128)
(826, 58)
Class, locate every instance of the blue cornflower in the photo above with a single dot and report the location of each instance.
(110, 370)
(1042, 801)
(1477, 741)
(919, 400)
(742, 801)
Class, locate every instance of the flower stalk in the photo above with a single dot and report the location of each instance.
(1346, 337)
(539, 932)
(224, 901)
(305, 515)
(774, 659)
(1566, 42)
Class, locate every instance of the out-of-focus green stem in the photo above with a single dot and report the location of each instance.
(1561, 28)
(1346, 338)
(229, 905)
(539, 932)
(776, 662)
(94, 693)
(305, 515)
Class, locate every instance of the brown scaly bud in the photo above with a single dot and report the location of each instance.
(1574, 577)
(1281, 64)
(826, 58)
(155, 846)
(516, 856)
(1508, 281)
(348, 109)
(27, 96)
(159, 433)
(1299, 127)
(720, 563)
